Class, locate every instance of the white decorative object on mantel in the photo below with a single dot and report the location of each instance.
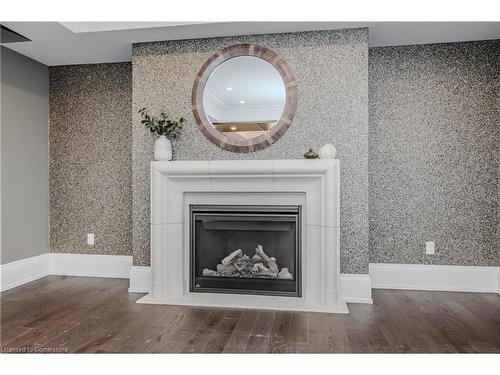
(163, 148)
(328, 151)
(314, 186)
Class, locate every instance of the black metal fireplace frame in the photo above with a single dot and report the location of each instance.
(213, 283)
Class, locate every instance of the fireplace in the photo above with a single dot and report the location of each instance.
(245, 249)
(239, 205)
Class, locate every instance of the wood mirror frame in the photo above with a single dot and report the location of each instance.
(261, 141)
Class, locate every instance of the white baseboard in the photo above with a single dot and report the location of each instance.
(112, 266)
(498, 280)
(356, 288)
(23, 271)
(141, 279)
(434, 277)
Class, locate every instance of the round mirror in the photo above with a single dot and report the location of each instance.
(244, 98)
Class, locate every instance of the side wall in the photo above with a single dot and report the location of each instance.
(90, 158)
(331, 68)
(434, 161)
(24, 156)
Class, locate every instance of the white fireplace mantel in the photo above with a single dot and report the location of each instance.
(312, 184)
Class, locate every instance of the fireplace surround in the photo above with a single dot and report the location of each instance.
(312, 185)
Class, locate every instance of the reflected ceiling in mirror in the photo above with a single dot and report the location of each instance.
(244, 98)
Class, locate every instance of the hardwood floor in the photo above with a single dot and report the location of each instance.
(76, 314)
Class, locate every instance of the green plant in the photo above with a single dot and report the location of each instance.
(162, 125)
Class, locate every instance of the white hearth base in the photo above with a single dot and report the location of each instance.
(240, 301)
(355, 288)
(312, 184)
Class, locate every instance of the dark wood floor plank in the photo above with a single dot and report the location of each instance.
(481, 305)
(202, 336)
(213, 319)
(12, 329)
(298, 329)
(447, 322)
(247, 320)
(150, 329)
(36, 303)
(425, 337)
(280, 332)
(264, 323)
(95, 342)
(237, 342)
(327, 333)
(233, 313)
(358, 341)
(175, 338)
(240, 336)
(390, 321)
(258, 344)
(64, 312)
(220, 336)
(298, 348)
(484, 347)
(92, 315)
(364, 316)
(198, 341)
(42, 334)
(407, 327)
(82, 333)
(335, 333)
(481, 328)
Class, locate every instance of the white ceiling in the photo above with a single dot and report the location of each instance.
(54, 43)
(90, 27)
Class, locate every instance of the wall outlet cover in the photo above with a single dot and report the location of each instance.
(90, 239)
(429, 247)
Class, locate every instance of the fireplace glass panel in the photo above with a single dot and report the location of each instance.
(245, 249)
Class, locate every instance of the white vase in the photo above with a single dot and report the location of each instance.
(163, 148)
(328, 151)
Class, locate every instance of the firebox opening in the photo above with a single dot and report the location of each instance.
(245, 249)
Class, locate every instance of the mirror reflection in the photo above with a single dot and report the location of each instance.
(244, 97)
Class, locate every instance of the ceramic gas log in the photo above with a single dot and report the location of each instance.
(238, 264)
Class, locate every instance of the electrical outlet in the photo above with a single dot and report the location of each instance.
(90, 239)
(429, 247)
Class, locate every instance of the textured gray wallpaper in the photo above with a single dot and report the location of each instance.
(434, 141)
(90, 158)
(331, 68)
